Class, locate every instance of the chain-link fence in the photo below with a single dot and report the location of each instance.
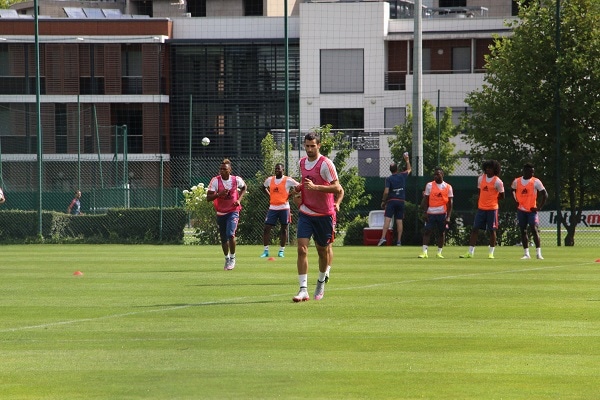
(156, 181)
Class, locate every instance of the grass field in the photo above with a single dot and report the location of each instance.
(166, 322)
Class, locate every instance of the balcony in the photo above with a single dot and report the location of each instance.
(20, 85)
(395, 80)
(458, 12)
(131, 85)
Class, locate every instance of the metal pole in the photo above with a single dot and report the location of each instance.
(190, 145)
(162, 190)
(124, 178)
(1, 175)
(125, 168)
(287, 89)
(437, 117)
(99, 150)
(417, 142)
(78, 144)
(557, 115)
(116, 156)
(38, 116)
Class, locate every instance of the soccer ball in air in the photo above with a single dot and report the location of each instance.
(205, 141)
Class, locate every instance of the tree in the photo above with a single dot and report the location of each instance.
(353, 184)
(513, 116)
(433, 145)
(5, 4)
(255, 203)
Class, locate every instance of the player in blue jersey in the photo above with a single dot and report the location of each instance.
(392, 200)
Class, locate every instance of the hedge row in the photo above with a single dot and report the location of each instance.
(145, 225)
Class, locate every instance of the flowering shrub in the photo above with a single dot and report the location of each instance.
(202, 214)
(194, 200)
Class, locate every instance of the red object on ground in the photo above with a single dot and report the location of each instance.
(371, 237)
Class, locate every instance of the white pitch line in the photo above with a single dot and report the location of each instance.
(207, 303)
(460, 276)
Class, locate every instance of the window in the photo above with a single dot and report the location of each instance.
(349, 120)
(457, 114)
(197, 8)
(394, 116)
(253, 8)
(4, 64)
(425, 60)
(131, 60)
(461, 60)
(344, 119)
(89, 83)
(453, 3)
(5, 119)
(131, 116)
(342, 71)
(60, 128)
(145, 8)
(401, 9)
(131, 69)
(515, 7)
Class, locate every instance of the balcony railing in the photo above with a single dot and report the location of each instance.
(20, 85)
(458, 12)
(131, 85)
(395, 80)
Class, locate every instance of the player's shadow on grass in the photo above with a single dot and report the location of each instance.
(210, 303)
(221, 284)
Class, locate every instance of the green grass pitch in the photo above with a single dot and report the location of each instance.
(166, 322)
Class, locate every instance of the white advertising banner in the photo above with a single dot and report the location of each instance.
(588, 218)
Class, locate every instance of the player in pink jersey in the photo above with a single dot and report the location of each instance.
(225, 191)
(316, 218)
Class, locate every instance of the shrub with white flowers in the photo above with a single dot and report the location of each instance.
(202, 214)
(194, 200)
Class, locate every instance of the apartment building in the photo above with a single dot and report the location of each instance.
(172, 72)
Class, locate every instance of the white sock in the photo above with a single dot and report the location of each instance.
(439, 250)
(282, 249)
(328, 269)
(267, 248)
(538, 251)
(472, 249)
(527, 252)
(303, 280)
(425, 248)
(492, 250)
(322, 276)
(232, 256)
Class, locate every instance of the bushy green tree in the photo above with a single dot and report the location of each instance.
(255, 202)
(353, 184)
(271, 155)
(438, 150)
(4, 4)
(514, 117)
